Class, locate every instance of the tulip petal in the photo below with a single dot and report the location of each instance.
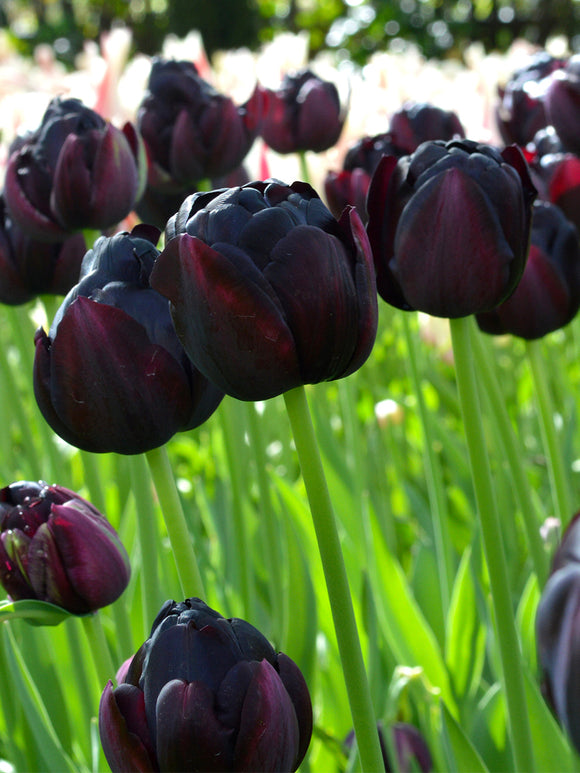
(311, 274)
(449, 271)
(123, 730)
(189, 736)
(268, 736)
(90, 552)
(107, 381)
(228, 320)
(297, 689)
(72, 185)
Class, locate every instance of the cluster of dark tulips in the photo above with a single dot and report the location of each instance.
(258, 288)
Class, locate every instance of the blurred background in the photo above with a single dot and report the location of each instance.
(353, 28)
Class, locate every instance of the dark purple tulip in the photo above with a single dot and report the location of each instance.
(557, 178)
(418, 122)
(191, 131)
(29, 268)
(304, 113)
(521, 113)
(77, 171)
(558, 633)
(111, 374)
(548, 294)
(205, 693)
(56, 547)
(268, 291)
(409, 745)
(562, 103)
(450, 227)
(350, 186)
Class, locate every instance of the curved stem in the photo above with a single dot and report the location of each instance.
(521, 483)
(509, 647)
(365, 725)
(179, 536)
(558, 480)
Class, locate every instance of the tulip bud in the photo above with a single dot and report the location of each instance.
(558, 633)
(57, 547)
(350, 186)
(268, 291)
(450, 227)
(29, 268)
(562, 103)
(206, 693)
(111, 374)
(191, 131)
(521, 113)
(557, 178)
(77, 171)
(548, 294)
(303, 114)
(418, 122)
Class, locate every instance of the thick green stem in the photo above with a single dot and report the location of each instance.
(556, 471)
(179, 536)
(509, 647)
(436, 495)
(349, 646)
(521, 484)
(304, 171)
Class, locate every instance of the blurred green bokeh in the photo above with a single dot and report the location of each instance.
(354, 28)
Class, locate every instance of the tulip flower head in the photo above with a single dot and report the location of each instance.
(191, 131)
(558, 632)
(209, 694)
(418, 122)
(548, 294)
(350, 186)
(521, 112)
(268, 291)
(56, 547)
(304, 113)
(29, 268)
(562, 103)
(449, 227)
(111, 374)
(75, 172)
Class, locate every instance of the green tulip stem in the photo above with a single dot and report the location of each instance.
(304, 171)
(148, 539)
(521, 484)
(349, 646)
(493, 546)
(175, 522)
(99, 648)
(553, 449)
(435, 492)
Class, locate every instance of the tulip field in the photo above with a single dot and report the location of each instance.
(290, 377)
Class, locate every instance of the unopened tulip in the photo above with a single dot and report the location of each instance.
(56, 547)
(268, 291)
(304, 113)
(449, 227)
(205, 693)
(75, 172)
(418, 122)
(111, 375)
(562, 103)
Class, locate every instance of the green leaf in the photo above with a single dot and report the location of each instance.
(34, 612)
(465, 635)
(462, 754)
